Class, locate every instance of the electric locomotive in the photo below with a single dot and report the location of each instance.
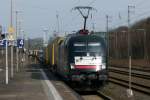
(82, 59)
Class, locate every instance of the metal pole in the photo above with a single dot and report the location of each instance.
(16, 24)
(107, 38)
(12, 69)
(129, 54)
(57, 16)
(19, 55)
(6, 63)
(16, 40)
(22, 59)
(130, 92)
(11, 13)
(17, 59)
(85, 19)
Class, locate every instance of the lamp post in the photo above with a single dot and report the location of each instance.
(11, 32)
(6, 60)
(129, 91)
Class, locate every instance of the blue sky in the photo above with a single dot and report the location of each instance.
(38, 15)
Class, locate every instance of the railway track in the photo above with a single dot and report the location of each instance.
(139, 88)
(140, 81)
(94, 95)
(134, 67)
(135, 73)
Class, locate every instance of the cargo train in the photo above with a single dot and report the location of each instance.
(79, 58)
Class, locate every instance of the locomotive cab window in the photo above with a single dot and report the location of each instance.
(94, 44)
(95, 49)
(79, 47)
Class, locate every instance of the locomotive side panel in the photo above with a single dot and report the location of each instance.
(63, 68)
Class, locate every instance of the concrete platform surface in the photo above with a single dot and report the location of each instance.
(28, 84)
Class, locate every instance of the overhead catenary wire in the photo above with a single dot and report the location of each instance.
(141, 14)
(140, 3)
(134, 17)
(139, 6)
(77, 2)
(93, 1)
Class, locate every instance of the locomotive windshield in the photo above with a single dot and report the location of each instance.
(94, 48)
(80, 47)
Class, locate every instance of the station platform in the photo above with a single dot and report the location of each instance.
(28, 84)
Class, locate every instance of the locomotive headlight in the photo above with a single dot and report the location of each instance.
(103, 66)
(72, 66)
(98, 67)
